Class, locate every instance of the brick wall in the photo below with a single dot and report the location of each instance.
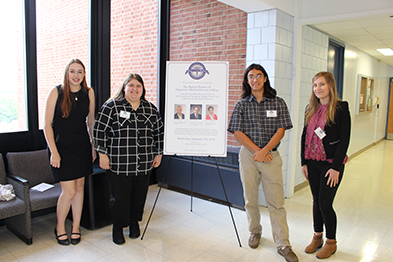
(201, 30)
(62, 34)
(134, 34)
(207, 30)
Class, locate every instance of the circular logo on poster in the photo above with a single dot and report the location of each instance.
(197, 71)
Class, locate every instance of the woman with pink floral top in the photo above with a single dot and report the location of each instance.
(324, 145)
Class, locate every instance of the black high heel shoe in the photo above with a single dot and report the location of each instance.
(64, 242)
(75, 241)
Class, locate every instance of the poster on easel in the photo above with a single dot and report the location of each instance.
(196, 113)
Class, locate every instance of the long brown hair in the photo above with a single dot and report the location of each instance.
(67, 101)
(120, 92)
(333, 99)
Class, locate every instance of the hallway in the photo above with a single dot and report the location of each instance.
(364, 206)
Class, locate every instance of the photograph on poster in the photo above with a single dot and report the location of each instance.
(211, 109)
(199, 91)
(179, 113)
(196, 111)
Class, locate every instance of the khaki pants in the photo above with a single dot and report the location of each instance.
(251, 173)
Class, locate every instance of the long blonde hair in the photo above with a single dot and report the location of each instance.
(333, 99)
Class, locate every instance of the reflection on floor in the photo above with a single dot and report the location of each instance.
(364, 206)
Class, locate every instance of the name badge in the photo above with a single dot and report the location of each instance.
(125, 114)
(271, 113)
(319, 133)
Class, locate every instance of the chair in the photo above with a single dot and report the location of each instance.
(16, 213)
(35, 168)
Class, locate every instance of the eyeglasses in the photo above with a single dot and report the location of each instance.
(253, 77)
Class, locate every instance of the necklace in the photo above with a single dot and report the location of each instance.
(76, 94)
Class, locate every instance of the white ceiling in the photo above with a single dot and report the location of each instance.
(366, 33)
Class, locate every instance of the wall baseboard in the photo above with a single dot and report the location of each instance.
(365, 149)
(301, 186)
(305, 183)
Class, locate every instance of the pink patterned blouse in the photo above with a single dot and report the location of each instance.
(314, 148)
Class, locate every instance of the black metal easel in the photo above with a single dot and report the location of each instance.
(192, 179)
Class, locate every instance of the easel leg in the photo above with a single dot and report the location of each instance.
(223, 186)
(192, 180)
(229, 205)
(158, 193)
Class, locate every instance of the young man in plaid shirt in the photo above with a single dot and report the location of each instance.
(259, 122)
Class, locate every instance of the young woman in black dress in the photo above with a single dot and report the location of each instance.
(69, 120)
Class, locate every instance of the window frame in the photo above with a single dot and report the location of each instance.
(99, 64)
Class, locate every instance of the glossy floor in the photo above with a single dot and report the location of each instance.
(364, 206)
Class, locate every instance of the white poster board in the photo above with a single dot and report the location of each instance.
(196, 106)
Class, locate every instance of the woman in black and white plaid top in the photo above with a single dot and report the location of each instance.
(128, 135)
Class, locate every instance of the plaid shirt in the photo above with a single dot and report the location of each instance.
(251, 118)
(131, 138)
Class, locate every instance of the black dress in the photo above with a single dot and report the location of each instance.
(72, 139)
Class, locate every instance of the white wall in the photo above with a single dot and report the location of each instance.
(252, 6)
(270, 43)
(271, 35)
(313, 59)
(367, 127)
(316, 10)
(321, 10)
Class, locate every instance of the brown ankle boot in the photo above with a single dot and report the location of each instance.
(316, 242)
(328, 249)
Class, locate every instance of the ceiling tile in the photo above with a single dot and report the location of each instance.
(383, 20)
(380, 29)
(348, 33)
(338, 25)
(367, 34)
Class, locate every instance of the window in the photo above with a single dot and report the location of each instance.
(13, 109)
(62, 34)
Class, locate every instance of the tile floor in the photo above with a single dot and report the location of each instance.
(364, 206)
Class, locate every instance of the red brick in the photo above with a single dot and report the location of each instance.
(205, 30)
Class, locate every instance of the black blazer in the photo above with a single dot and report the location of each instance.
(336, 141)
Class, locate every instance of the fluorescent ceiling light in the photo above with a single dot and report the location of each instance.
(386, 51)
